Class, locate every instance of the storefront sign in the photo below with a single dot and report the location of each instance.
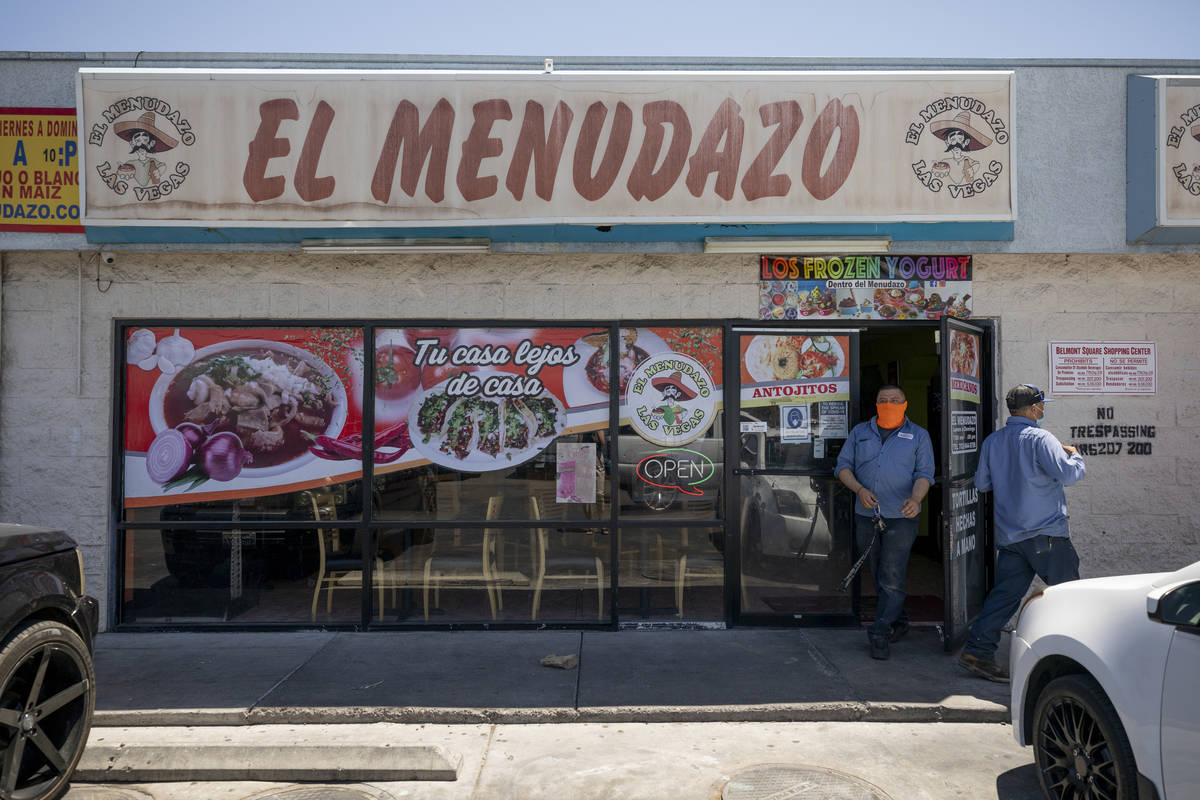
(887, 287)
(790, 369)
(964, 432)
(39, 170)
(671, 399)
(676, 468)
(1103, 368)
(219, 413)
(964, 366)
(275, 147)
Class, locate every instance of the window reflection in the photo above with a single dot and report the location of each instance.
(672, 573)
(548, 573)
(242, 577)
(432, 492)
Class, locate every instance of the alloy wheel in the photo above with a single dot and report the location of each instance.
(44, 707)
(1075, 756)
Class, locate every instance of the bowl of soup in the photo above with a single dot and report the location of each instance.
(274, 396)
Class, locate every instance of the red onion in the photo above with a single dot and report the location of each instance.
(193, 433)
(169, 456)
(222, 456)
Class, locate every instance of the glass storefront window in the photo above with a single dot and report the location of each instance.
(672, 573)
(216, 416)
(548, 573)
(176, 575)
(230, 431)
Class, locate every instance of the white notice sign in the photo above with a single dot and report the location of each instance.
(1103, 368)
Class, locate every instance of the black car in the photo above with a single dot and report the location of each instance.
(47, 684)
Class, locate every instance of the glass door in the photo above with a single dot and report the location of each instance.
(796, 392)
(965, 545)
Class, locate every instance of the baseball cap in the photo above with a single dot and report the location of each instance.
(1025, 394)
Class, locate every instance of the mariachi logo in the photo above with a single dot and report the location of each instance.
(1187, 173)
(960, 130)
(671, 399)
(148, 132)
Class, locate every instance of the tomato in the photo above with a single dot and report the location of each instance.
(396, 375)
(433, 375)
(445, 336)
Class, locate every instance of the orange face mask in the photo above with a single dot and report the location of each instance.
(891, 415)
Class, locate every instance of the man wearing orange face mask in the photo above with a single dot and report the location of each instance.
(887, 462)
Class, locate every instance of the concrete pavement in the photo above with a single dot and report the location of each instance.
(739, 675)
(631, 761)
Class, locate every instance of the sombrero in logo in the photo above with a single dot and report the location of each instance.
(962, 122)
(145, 123)
(1196, 132)
(674, 379)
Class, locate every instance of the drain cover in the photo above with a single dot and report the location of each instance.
(778, 782)
(323, 793)
(104, 793)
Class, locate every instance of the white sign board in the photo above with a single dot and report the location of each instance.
(445, 148)
(1103, 368)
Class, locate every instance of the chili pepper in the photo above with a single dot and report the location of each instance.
(346, 449)
(387, 458)
(321, 452)
(394, 434)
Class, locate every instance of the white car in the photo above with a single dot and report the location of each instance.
(1106, 686)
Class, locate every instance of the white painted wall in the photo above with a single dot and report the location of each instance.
(1131, 513)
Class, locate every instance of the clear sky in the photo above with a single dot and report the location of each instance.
(1041, 29)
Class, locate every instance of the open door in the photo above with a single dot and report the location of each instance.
(964, 517)
(791, 401)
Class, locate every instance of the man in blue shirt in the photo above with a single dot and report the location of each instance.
(887, 462)
(1025, 468)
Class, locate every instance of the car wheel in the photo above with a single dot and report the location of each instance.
(1080, 745)
(47, 696)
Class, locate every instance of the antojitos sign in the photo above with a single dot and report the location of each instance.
(198, 147)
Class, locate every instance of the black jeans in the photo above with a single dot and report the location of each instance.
(1051, 558)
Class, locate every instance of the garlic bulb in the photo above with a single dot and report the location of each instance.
(174, 352)
(140, 349)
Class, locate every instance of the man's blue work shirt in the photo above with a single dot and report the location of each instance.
(1026, 468)
(888, 468)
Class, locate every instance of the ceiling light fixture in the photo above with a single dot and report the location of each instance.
(778, 245)
(351, 246)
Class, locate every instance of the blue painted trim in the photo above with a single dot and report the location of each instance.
(1141, 157)
(900, 231)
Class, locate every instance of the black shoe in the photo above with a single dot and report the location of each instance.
(879, 648)
(899, 629)
(983, 668)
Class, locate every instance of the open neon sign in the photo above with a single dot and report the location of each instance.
(676, 468)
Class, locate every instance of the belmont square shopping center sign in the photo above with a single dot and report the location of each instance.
(373, 147)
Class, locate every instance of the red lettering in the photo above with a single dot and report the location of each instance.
(835, 116)
(594, 186)
(726, 125)
(758, 181)
(308, 186)
(431, 144)
(478, 146)
(643, 180)
(265, 146)
(542, 148)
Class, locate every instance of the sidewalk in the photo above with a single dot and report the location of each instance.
(740, 675)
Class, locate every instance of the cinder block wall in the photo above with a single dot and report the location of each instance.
(1132, 513)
